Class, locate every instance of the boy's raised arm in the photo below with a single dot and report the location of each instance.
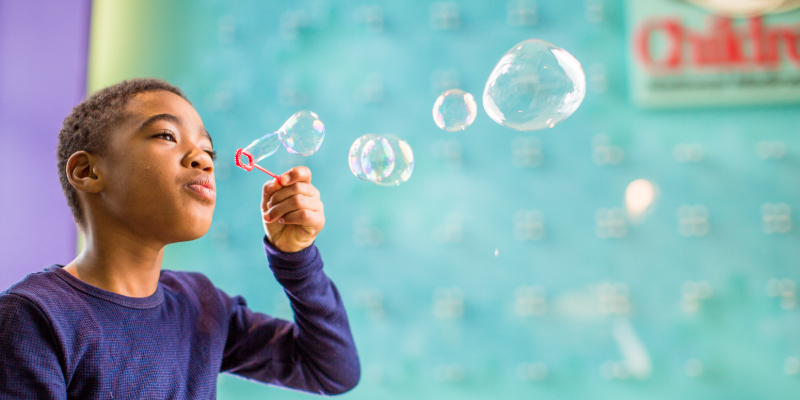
(316, 353)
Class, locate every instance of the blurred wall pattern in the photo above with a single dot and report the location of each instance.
(512, 265)
(43, 55)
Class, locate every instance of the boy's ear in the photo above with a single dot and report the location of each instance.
(82, 172)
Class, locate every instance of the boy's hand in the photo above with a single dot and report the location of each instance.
(292, 212)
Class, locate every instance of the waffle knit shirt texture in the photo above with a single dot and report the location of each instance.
(61, 338)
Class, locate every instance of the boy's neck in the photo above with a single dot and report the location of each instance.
(118, 262)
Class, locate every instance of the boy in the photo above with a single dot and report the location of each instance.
(136, 166)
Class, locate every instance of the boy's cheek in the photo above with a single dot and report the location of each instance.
(147, 185)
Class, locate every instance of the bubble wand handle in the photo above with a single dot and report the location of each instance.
(250, 164)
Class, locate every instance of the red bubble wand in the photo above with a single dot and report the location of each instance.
(250, 164)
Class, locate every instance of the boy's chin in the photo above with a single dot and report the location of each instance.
(194, 229)
(188, 235)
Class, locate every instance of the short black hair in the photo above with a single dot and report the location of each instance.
(87, 125)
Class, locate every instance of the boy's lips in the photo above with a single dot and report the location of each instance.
(202, 186)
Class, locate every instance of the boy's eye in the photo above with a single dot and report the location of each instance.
(166, 135)
(213, 154)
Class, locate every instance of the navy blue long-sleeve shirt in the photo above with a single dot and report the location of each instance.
(61, 338)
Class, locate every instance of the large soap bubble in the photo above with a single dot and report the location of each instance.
(454, 110)
(264, 146)
(384, 160)
(534, 86)
(302, 133)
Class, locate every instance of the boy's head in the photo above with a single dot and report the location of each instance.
(136, 156)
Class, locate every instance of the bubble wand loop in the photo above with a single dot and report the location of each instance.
(250, 164)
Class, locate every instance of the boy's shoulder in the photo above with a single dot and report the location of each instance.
(185, 281)
(38, 287)
(51, 287)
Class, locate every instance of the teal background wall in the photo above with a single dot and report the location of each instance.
(445, 300)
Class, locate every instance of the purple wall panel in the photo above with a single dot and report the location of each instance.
(43, 56)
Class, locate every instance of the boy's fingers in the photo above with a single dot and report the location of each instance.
(303, 217)
(296, 174)
(291, 177)
(294, 203)
(299, 188)
(269, 188)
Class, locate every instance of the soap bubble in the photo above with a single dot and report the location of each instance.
(302, 133)
(454, 110)
(384, 160)
(534, 86)
(354, 156)
(403, 162)
(264, 147)
(377, 159)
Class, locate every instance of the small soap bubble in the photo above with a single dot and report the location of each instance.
(534, 86)
(377, 159)
(454, 110)
(264, 146)
(354, 157)
(403, 162)
(384, 160)
(302, 133)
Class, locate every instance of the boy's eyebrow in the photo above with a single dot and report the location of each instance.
(208, 135)
(160, 117)
(170, 118)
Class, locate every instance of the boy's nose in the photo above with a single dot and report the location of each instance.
(198, 159)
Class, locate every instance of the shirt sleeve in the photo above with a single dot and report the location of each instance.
(316, 353)
(29, 364)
